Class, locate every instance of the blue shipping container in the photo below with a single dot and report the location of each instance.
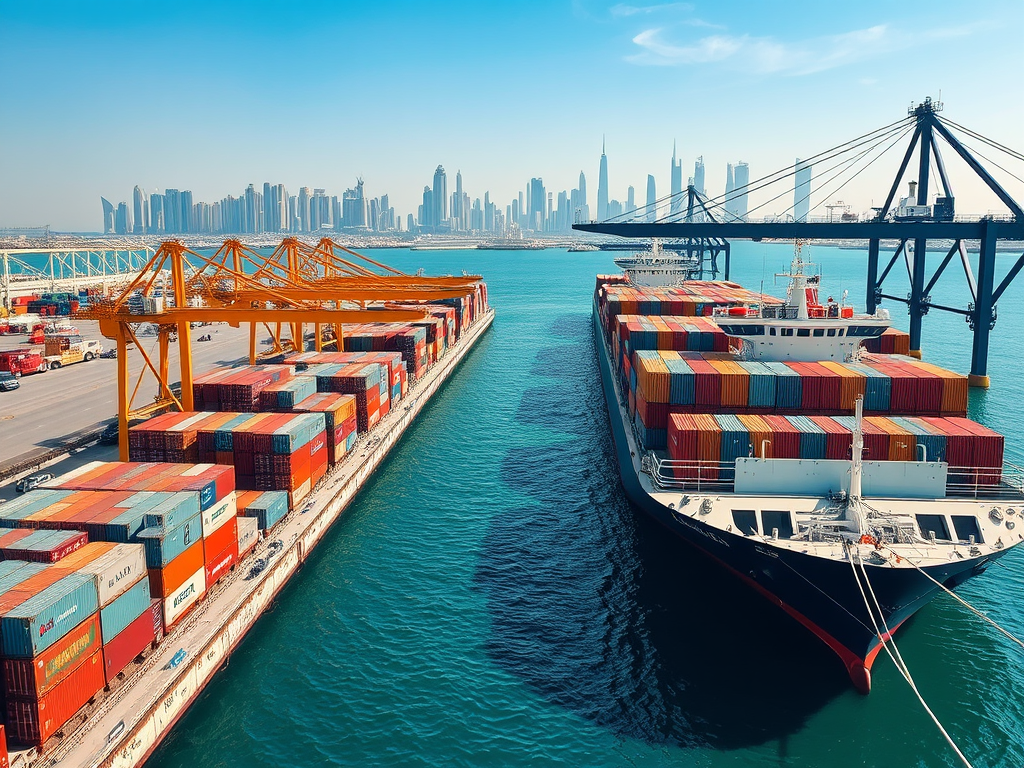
(163, 545)
(124, 610)
(30, 628)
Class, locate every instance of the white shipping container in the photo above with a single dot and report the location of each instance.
(219, 513)
(248, 533)
(120, 568)
(59, 479)
(187, 595)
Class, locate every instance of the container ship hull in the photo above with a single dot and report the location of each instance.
(823, 595)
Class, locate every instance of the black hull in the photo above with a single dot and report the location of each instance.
(823, 595)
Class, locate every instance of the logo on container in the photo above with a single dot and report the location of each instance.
(185, 593)
(47, 626)
(72, 653)
(318, 443)
(206, 495)
(119, 576)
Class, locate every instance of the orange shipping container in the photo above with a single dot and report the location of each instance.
(164, 581)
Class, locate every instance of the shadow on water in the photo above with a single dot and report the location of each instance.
(605, 613)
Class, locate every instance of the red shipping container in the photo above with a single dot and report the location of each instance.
(59, 552)
(131, 641)
(32, 678)
(4, 760)
(34, 721)
(785, 438)
(220, 565)
(219, 540)
(837, 438)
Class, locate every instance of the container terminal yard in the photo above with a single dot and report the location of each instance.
(125, 586)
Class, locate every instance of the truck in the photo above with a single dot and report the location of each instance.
(22, 361)
(66, 349)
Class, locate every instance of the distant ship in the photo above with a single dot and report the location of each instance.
(657, 267)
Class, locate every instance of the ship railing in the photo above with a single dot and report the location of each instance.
(1006, 482)
(676, 475)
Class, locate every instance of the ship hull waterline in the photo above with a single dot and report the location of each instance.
(821, 594)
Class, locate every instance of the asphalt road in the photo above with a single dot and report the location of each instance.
(50, 405)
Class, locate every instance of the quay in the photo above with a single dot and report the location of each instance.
(122, 729)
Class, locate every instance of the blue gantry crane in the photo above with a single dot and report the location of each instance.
(911, 223)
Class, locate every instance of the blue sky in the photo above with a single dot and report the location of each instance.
(212, 96)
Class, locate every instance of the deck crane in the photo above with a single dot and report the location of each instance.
(295, 285)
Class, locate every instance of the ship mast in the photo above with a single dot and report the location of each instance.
(854, 510)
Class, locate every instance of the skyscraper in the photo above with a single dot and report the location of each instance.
(303, 211)
(630, 202)
(698, 175)
(652, 199)
(172, 211)
(536, 215)
(802, 191)
(108, 216)
(439, 215)
(427, 208)
(156, 212)
(122, 220)
(602, 186)
(458, 212)
(141, 206)
(677, 183)
(741, 178)
(730, 185)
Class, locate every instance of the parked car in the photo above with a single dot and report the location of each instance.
(33, 481)
(8, 381)
(110, 435)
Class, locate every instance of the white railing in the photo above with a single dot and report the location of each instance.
(1006, 482)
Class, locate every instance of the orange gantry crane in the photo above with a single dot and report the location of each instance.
(326, 285)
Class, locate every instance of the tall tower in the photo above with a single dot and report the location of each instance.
(141, 205)
(602, 186)
(698, 175)
(730, 185)
(802, 191)
(630, 200)
(741, 178)
(440, 198)
(108, 216)
(458, 214)
(677, 182)
(652, 197)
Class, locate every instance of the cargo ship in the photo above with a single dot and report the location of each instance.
(125, 586)
(739, 424)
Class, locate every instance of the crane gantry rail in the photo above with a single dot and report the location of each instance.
(326, 285)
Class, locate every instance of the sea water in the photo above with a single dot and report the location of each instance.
(492, 599)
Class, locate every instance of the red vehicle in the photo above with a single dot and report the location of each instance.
(19, 361)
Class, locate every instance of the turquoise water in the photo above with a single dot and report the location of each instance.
(491, 599)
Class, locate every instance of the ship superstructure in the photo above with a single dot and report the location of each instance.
(657, 267)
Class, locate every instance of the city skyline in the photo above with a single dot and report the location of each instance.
(535, 209)
(730, 81)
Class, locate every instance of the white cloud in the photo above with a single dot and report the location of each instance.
(767, 55)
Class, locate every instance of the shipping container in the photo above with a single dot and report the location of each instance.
(33, 721)
(132, 641)
(163, 582)
(116, 570)
(182, 600)
(33, 678)
(248, 535)
(44, 546)
(36, 624)
(125, 609)
(163, 545)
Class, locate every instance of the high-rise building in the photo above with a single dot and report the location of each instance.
(156, 212)
(630, 202)
(741, 178)
(676, 183)
(440, 198)
(460, 214)
(698, 175)
(578, 202)
(354, 210)
(602, 186)
(536, 202)
(802, 191)
(427, 208)
(122, 220)
(141, 210)
(185, 211)
(730, 185)
(305, 196)
(172, 211)
(652, 199)
(108, 216)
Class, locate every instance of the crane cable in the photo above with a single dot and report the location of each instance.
(897, 659)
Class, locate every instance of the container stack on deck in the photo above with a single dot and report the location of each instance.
(691, 397)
